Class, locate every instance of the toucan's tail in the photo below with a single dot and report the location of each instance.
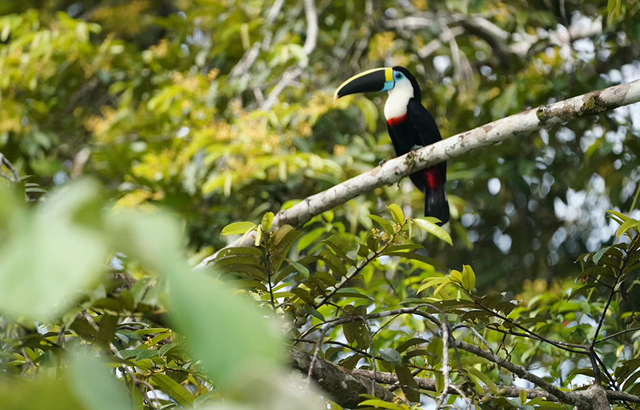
(436, 204)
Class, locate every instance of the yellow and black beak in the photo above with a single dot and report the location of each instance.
(378, 79)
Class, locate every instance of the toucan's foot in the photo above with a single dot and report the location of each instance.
(382, 162)
(415, 147)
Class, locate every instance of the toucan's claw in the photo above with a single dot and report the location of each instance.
(416, 147)
(382, 162)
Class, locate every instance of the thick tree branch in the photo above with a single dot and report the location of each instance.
(347, 386)
(343, 386)
(430, 385)
(524, 123)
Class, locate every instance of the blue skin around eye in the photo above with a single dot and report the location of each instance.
(388, 85)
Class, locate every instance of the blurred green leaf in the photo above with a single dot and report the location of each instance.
(173, 389)
(236, 337)
(52, 254)
(95, 386)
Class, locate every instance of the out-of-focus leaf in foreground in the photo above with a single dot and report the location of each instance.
(95, 387)
(47, 255)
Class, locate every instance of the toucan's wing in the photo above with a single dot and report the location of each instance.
(423, 122)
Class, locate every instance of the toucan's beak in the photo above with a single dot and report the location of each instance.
(378, 79)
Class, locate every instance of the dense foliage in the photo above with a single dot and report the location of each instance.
(219, 112)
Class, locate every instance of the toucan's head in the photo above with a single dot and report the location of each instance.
(380, 79)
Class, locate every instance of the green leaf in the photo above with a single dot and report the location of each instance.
(267, 221)
(468, 277)
(309, 238)
(631, 223)
(598, 255)
(612, 214)
(238, 228)
(433, 229)
(381, 403)
(352, 293)
(281, 244)
(154, 238)
(300, 268)
(226, 332)
(411, 342)
(596, 271)
(415, 256)
(431, 282)
(146, 354)
(95, 386)
(482, 377)
(408, 383)
(47, 258)
(176, 391)
(386, 225)
(392, 356)
(397, 213)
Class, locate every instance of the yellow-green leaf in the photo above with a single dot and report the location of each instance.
(237, 228)
(173, 389)
(468, 278)
(397, 213)
(382, 404)
(433, 229)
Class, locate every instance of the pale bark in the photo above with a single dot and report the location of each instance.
(394, 170)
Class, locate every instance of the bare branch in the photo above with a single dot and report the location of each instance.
(430, 385)
(505, 44)
(292, 73)
(14, 172)
(433, 46)
(565, 397)
(250, 57)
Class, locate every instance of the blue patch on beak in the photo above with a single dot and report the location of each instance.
(388, 85)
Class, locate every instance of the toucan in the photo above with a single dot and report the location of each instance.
(410, 125)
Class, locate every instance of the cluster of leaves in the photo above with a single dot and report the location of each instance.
(144, 95)
(62, 306)
(330, 263)
(344, 276)
(150, 316)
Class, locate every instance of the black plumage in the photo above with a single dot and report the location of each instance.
(418, 127)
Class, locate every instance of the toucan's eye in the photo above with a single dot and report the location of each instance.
(398, 76)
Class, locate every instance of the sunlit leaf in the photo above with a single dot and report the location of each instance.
(433, 229)
(238, 228)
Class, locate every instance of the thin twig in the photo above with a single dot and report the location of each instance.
(4, 161)
(475, 332)
(613, 335)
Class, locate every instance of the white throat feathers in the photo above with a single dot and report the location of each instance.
(398, 101)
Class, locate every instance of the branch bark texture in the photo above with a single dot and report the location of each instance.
(394, 170)
(343, 386)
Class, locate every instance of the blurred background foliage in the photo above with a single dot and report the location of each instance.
(172, 103)
(220, 111)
